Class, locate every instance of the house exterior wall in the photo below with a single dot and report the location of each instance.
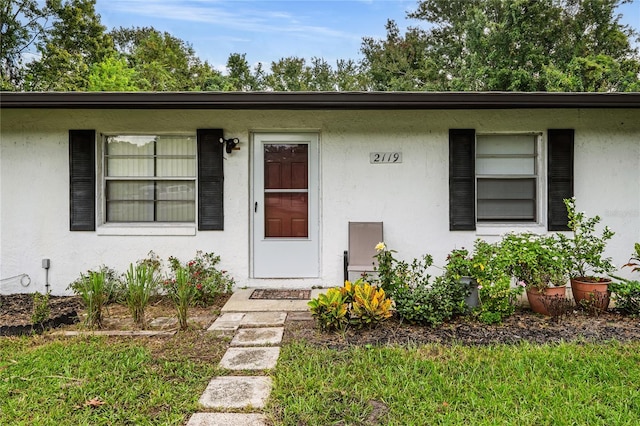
(411, 198)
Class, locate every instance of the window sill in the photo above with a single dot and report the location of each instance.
(147, 229)
(498, 229)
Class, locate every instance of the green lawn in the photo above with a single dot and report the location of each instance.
(47, 381)
(565, 384)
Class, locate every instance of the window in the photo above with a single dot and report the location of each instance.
(150, 178)
(506, 178)
(497, 178)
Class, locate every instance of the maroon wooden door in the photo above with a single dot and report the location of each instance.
(286, 190)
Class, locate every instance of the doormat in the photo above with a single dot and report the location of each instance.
(281, 294)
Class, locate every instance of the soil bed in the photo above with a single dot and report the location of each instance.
(523, 326)
(68, 311)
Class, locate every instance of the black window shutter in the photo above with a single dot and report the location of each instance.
(210, 180)
(82, 180)
(559, 177)
(462, 177)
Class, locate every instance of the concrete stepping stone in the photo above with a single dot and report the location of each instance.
(250, 358)
(258, 336)
(236, 392)
(227, 323)
(263, 319)
(227, 419)
(299, 316)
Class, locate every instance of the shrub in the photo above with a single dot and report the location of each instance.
(370, 306)
(497, 300)
(626, 294)
(330, 310)
(41, 308)
(96, 288)
(141, 282)
(205, 277)
(430, 305)
(359, 303)
(182, 293)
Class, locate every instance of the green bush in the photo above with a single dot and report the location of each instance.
(330, 310)
(626, 294)
(205, 277)
(430, 304)
(141, 282)
(96, 288)
(41, 308)
(497, 300)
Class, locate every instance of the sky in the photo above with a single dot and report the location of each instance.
(268, 30)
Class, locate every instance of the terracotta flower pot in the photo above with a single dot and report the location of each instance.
(590, 291)
(540, 300)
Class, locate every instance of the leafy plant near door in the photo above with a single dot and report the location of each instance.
(358, 304)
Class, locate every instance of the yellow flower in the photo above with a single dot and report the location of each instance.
(380, 246)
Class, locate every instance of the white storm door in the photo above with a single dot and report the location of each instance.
(285, 205)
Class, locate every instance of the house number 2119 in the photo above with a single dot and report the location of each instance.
(385, 157)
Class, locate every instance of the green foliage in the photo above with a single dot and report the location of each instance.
(535, 261)
(634, 261)
(370, 305)
(359, 304)
(585, 250)
(141, 282)
(626, 294)
(205, 277)
(96, 288)
(498, 300)
(112, 74)
(21, 23)
(330, 310)
(386, 269)
(69, 47)
(182, 293)
(41, 308)
(517, 45)
(430, 304)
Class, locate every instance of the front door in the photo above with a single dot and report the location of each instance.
(285, 205)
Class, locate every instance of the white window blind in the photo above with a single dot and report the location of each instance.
(506, 178)
(150, 178)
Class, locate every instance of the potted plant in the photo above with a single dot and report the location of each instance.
(460, 265)
(538, 264)
(584, 251)
(625, 292)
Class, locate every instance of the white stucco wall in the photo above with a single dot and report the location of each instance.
(411, 198)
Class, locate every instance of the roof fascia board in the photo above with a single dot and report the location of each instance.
(316, 100)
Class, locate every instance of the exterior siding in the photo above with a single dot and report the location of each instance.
(411, 198)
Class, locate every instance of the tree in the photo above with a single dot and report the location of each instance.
(112, 74)
(516, 45)
(240, 78)
(163, 62)
(21, 23)
(75, 41)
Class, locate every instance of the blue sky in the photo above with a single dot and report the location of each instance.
(269, 30)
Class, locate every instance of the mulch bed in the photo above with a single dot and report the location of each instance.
(523, 326)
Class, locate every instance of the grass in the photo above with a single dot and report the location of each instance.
(105, 381)
(563, 384)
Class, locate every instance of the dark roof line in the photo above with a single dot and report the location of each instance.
(317, 100)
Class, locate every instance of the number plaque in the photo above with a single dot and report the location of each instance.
(385, 157)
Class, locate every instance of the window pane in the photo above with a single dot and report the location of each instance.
(505, 166)
(130, 190)
(176, 190)
(507, 199)
(176, 145)
(286, 166)
(506, 144)
(130, 167)
(176, 167)
(130, 211)
(130, 145)
(174, 148)
(176, 211)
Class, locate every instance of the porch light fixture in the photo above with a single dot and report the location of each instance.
(230, 143)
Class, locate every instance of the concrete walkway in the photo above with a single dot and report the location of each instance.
(257, 327)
